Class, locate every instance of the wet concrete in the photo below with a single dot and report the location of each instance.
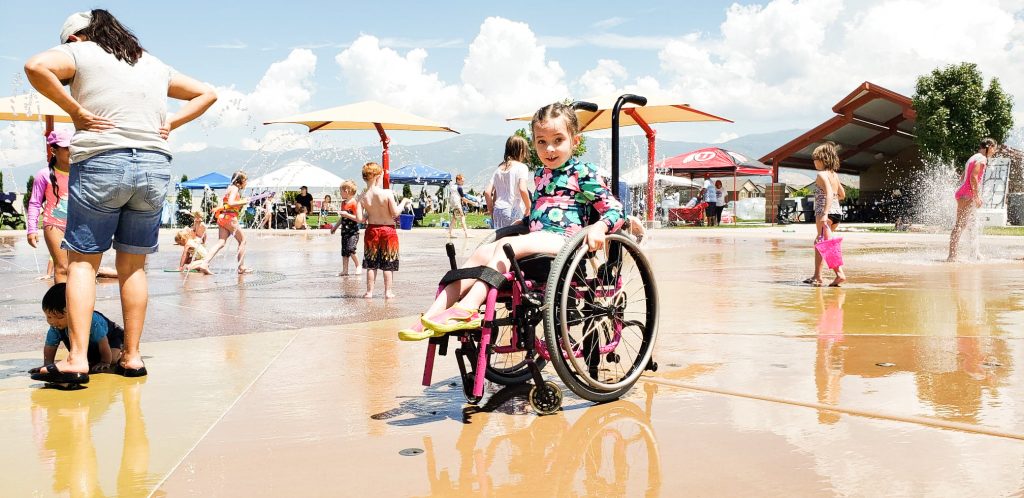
(289, 384)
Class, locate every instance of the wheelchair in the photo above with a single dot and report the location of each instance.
(593, 315)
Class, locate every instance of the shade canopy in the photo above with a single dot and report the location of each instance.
(420, 174)
(31, 107)
(297, 174)
(212, 180)
(363, 116)
(657, 110)
(713, 161)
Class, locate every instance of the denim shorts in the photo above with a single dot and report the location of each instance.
(117, 197)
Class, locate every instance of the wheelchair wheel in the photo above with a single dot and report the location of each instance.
(508, 368)
(601, 316)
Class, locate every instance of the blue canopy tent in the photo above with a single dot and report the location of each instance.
(420, 174)
(212, 180)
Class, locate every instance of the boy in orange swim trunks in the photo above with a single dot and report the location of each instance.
(380, 246)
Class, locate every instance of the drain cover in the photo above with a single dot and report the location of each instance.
(886, 364)
(410, 452)
(992, 364)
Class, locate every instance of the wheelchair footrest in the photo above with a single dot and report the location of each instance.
(483, 273)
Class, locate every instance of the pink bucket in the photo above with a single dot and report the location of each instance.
(831, 251)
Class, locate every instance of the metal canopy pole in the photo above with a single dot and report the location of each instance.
(385, 159)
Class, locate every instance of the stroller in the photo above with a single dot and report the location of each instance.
(693, 214)
(9, 216)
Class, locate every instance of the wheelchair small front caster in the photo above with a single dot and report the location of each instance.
(546, 398)
(652, 366)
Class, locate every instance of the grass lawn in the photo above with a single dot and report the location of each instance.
(1004, 231)
(473, 220)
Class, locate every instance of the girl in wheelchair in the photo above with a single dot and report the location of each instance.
(566, 191)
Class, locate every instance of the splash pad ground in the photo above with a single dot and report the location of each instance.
(286, 382)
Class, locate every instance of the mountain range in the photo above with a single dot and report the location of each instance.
(473, 155)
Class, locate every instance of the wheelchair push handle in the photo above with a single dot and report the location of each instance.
(450, 249)
(628, 98)
(580, 105)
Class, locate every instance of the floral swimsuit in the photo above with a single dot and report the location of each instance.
(562, 201)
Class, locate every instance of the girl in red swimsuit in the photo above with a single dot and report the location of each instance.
(227, 219)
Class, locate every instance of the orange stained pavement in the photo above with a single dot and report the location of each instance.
(286, 385)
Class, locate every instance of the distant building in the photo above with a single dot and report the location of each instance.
(874, 128)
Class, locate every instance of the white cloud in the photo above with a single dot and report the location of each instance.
(423, 42)
(725, 136)
(278, 141)
(792, 60)
(606, 40)
(509, 67)
(285, 89)
(505, 71)
(232, 45)
(191, 147)
(609, 23)
(559, 41)
(22, 143)
(602, 79)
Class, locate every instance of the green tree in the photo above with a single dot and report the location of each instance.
(28, 193)
(407, 191)
(534, 161)
(955, 111)
(184, 214)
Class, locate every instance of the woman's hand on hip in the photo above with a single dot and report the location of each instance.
(165, 130)
(87, 121)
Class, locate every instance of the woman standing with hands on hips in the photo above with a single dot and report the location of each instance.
(120, 169)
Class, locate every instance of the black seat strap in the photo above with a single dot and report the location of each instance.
(485, 274)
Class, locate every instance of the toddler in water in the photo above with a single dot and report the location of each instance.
(380, 246)
(105, 336)
(193, 252)
(349, 216)
(566, 189)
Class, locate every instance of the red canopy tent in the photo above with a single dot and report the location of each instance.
(715, 162)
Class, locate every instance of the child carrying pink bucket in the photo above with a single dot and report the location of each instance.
(827, 214)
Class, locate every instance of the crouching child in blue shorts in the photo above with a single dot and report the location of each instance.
(105, 336)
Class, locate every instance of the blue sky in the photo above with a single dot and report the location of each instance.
(195, 36)
(768, 65)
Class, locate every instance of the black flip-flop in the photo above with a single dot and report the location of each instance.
(120, 369)
(812, 281)
(54, 376)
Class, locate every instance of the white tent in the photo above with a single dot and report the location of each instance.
(639, 177)
(297, 174)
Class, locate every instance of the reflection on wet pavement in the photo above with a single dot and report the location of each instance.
(903, 382)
